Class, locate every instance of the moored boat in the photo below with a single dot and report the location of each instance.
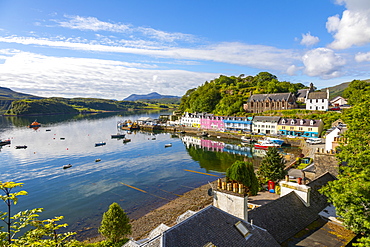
(4, 142)
(21, 147)
(126, 140)
(128, 125)
(246, 139)
(266, 144)
(168, 145)
(35, 124)
(118, 136)
(67, 166)
(100, 144)
(275, 140)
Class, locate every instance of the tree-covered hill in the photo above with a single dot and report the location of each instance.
(66, 105)
(226, 95)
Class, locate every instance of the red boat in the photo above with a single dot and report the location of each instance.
(266, 144)
(35, 124)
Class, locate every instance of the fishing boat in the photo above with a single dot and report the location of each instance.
(100, 144)
(35, 124)
(167, 145)
(266, 144)
(118, 136)
(128, 125)
(67, 166)
(4, 142)
(21, 147)
(126, 140)
(97, 160)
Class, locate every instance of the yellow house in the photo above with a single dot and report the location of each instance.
(300, 127)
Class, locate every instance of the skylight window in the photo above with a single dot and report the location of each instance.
(242, 228)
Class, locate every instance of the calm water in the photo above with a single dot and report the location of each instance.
(84, 192)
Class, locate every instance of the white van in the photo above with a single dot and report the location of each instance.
(313, 141)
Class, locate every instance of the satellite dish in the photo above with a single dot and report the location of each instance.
(210, 192)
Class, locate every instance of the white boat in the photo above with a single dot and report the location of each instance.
(246, 139)
(266, 144)
(275, 140)
(167, 145)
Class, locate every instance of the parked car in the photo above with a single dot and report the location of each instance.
(314, 141)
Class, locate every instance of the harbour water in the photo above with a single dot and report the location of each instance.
(84, 192)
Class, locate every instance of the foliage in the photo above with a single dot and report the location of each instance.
(357, 91)
(226, 95)
(115, 224)
(272, 166)
(243, 172)
(350, 194)
(38, 232)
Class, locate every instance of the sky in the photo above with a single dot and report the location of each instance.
(114, 48)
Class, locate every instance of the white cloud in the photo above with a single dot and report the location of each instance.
(353, 29)
(322, 62)
(80, 77)
(362, 57)
(257, 56)
(93, 24)
(309, 40)
(292, 70)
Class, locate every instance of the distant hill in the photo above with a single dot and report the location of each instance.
(339, 89)
(8, 94)
(150, 97)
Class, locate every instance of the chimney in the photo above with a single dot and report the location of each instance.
(301, 190)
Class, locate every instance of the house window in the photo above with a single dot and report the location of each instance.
(310, 107)
(317, 100)
(291, 128)
(309, 129)
(322, 100)
(283, 127)
(310, 100)
(300, 128)
(322, 107)
(251, 104)
(267, 104)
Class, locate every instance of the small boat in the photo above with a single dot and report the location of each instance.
(203, 134)
(275, 140)
(67, 166)
(246, 139)
(21, 147)
(100, 144)
(4, 142)
(118, 136)
(48, 130)
(35, 124)
(97, 160)
(126, 140)
(266, 144)
(62, 138)
(168, 145)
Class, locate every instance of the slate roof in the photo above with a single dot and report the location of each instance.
(302, 93)
(212, 225)
(286, 216)
(297, 122)
(272, 97)
(317, 95)
(266, 119)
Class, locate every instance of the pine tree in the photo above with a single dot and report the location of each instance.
(115, 224)
(272, 166)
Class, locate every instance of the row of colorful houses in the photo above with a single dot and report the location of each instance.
(269, 125)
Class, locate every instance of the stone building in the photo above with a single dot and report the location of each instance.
(264, 102)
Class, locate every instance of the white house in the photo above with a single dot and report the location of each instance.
(265, 124)
(338, 101)
(190, 120)
(333, 133)
(317, 101)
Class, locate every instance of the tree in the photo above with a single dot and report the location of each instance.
(272, 166)
(115, 224)
(243, 172)
(39, 233)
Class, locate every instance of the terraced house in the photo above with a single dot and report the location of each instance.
(300, 127)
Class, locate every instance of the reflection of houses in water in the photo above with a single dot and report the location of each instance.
(217, 146)
(259, 152)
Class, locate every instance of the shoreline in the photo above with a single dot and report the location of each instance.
(167, 214)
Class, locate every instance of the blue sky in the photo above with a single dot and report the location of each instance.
(111, 49)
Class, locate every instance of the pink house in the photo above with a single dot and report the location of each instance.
(211, 122)
(212, 145)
